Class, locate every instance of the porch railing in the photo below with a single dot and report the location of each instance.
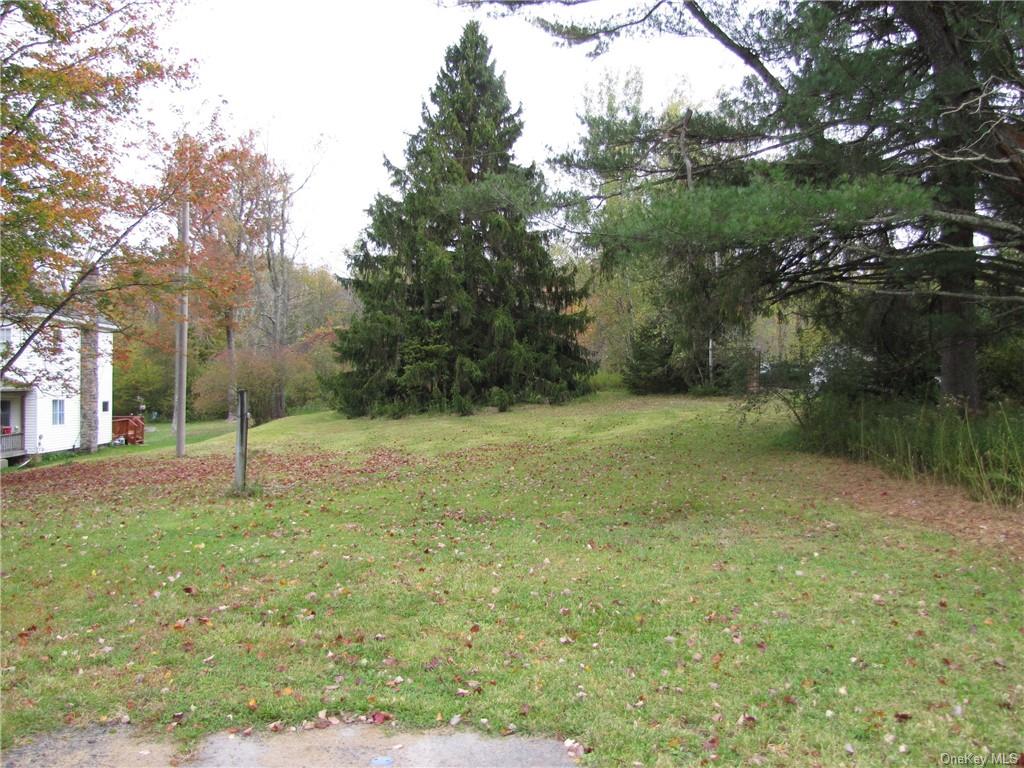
(13, 443)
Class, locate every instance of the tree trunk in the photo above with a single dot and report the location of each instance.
(957, 329)
(229, 338)
(277, 404)
(956, 184)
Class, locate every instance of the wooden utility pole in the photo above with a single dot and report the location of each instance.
(181, 336)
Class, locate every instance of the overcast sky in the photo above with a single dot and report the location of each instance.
(338, 85)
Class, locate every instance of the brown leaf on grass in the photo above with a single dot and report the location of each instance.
(190, 590)
(433, 664)
(252, 705)
(25, 634)
(379, 717)
(902, 717)
(275, 727)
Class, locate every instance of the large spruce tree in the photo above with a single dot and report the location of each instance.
(462, 303)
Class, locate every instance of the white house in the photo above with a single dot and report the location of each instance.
(40, 405)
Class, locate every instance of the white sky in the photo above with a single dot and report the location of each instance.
(339, 85)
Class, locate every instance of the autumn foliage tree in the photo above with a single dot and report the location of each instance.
(71, 74)
(257, 319)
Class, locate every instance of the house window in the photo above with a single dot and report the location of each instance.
(106, 406)
(58, 411)
(5, 413)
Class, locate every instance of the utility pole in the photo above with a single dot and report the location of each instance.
(181, 335)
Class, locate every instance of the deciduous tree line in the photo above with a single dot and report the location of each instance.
(83, 237)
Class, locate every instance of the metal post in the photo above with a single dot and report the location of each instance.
(241, 440)
(181, 337)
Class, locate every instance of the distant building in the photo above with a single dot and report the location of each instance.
(49, 404)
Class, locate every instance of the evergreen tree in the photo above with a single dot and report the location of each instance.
(462, 303)
(876, 148)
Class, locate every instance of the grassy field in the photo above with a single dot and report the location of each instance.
(159, 437)
(647, 576)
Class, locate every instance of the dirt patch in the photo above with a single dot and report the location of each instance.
(934, 505)
(85, 747)
(350, 745)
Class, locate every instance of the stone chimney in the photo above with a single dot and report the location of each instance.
(88, 390)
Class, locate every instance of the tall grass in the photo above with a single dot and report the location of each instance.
(983, 453)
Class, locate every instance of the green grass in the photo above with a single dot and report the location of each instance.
(645, 575)
(161, 436)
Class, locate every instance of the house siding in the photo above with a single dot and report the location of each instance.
(41, 434)
(105, 391)
(32, 421)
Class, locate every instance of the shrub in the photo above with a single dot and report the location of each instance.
(1001, 369)
(649, 367)
(606, 380)
(500, 399)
